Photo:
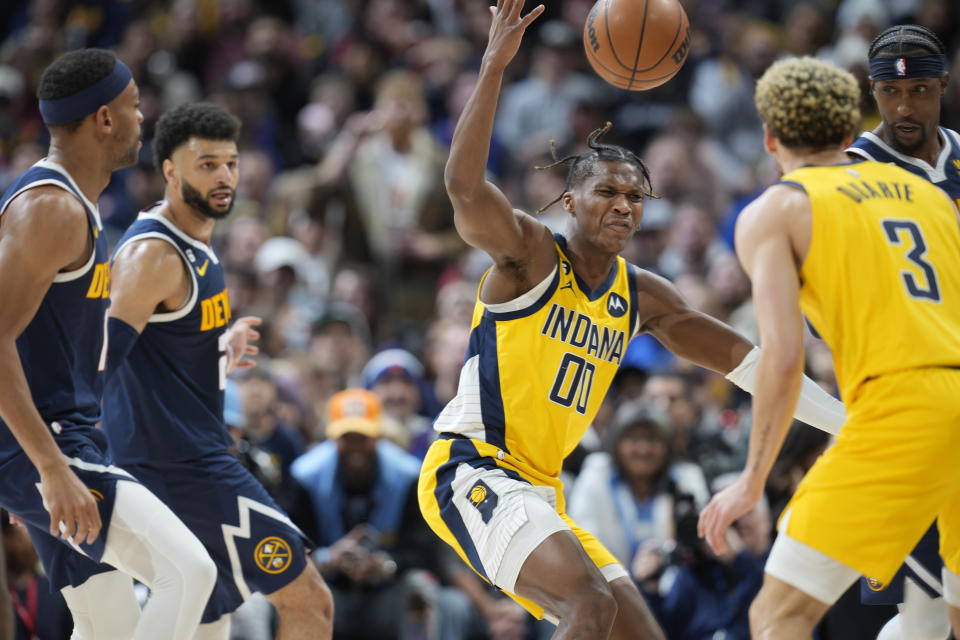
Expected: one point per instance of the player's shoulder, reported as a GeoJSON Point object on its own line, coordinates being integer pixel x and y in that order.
{"type": "Point", "coordinates": [46, 207]}
{"type": "Point", "coordinates": [148, 250]}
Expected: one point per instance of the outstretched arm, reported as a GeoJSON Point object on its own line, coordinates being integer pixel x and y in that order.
{"type": "Point", "coordinates": [43, 231]}
{"type": "Point", "coordinates": [482, 214]}
{"type": "Point", "coordinates": [765, 249]}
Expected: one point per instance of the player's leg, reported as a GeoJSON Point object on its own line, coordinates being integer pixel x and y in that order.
{"type": "Point", "coordinates": [147, 541]}
{"type": "Point", "coordinates": [634, 618]}
{"type": "Point", "coordinates": [560, 577]}
{"type": "Point", "coordinates": [304, 607]}
{"type": "Point", "coordinates": [218, 630]}
{"type": "Point", "coordinates": [104, 607]}
{"type": "Point", "coordinates": [921, 617]}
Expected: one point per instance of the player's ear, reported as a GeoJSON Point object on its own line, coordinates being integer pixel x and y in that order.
{"type": "Point", "coordinates": [769, 141]}
{"type": "Point", "coordinates": [103, 118]}
{"type": "Point", "coordinates": [944, 79]}
{"type": "Point", "coordinates": [169, 171]}
{"type": "Point", "coordinates": [567, 201]}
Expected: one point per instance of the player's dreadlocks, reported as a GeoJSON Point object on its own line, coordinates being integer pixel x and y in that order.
{"type": "Point", "coordinates": [583, 164]}
{"type": "Point", "coordinates": [905, 40]}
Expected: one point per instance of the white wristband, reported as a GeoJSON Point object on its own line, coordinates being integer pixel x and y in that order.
{"type": "Point", "coordinates": [815, 406]}
{"type": "Point", "coordinates": [230, 356]}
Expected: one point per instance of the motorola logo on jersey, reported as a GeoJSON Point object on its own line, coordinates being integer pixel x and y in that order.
{"type": "Point", "coordinates": [273, 555]}
{"type": "Point", "coordinates": [616, 305]}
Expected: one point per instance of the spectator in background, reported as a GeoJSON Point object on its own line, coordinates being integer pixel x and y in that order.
{"type": "Point", "coordinates": [371, 538]}
{"type": "Point", "coordinates": [397, 378]}
{"type": "Point", "coordinates": [39, 612]}
{"type": "Point", "coordinates": [626, 494]}
{"type": "Point", "coordinates": [707, 596]}
{"type": "Point", "coordinates": [265, 430]}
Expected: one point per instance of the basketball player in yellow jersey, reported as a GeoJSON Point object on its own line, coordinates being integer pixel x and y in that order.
{"type": "Point", "coordinates": [871, 254]}
{"type": "Point", "coordinates": [552, 322]}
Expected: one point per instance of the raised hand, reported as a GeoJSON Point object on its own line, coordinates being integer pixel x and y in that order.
{"type": "Point", "coordinates": [507, 30]}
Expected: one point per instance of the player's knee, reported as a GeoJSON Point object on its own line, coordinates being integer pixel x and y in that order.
{"type": "Point", "coordinates": [592, 602]}
{"type": "Point", "coordinates": [197, 570]}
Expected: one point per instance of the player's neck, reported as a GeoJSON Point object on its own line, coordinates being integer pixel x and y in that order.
{"type": "Point", "coordinates": [89, 173]}
{"type": "Point", "coordinates": [189, 220]}
{"type": "Point", "coordinates": [593, 266]}
{"type": "Point", "coordinates": [789, 160]}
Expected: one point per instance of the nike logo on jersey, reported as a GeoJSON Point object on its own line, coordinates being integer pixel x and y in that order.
{"type": "Point", "coordinates": [202, 270]}
{"type": "Point", "coordinates": [579, 330]}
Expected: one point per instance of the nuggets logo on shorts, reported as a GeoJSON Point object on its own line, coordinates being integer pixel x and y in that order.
{"type": "Point", "coordinates": [273, 555]}
{"type": "Point", "coordinates": [96, 494]}
{"type": "Point", "coordinates": [484, 499]}
{"type": "Point", "coordinates": [875, 585]}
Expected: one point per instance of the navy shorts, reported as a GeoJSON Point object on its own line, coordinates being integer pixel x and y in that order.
{"type": "Point", "coordinates": [255, 545]}
{"type": "Point", "coordinates": [923, 566]}
{"type": "Point", "coordinates": [66, 564]}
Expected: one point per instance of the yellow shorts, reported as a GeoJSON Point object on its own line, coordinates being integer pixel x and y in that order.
{"type": "Point", "coordinates": [894, 469]}
{"type": "Point", "coordinates": [494, 514]}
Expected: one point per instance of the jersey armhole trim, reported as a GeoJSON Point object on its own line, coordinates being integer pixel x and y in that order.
{"type": "Point", "coordinates": [191, 301]}
{"type": "Point", "coordinates": [527, 303]}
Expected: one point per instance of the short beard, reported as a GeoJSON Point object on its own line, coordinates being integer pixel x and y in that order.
{"type": "Point", "coordinates": [193, 198]}
{"type": "Point", "coordinates": [912, 149]}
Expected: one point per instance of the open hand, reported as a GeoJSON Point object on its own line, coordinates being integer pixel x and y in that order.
{"type": "Point", "coordinates": [723, 509]}
{"type": "Point", "coordinates": [506, 31]}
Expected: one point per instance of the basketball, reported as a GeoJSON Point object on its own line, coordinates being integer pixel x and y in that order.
{"type": "Point", "coordinates": [636, 44]}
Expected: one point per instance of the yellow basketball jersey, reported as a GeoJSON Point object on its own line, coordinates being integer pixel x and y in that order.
{"type": "Point", "coordinates": [538, 367]}
{"type": "Point", "coordinates": [881, 282]}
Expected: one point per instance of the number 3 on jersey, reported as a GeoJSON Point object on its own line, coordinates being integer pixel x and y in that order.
{"type": "Point", "coordinates": [573, 382]}
{"type": "Point", "coordinates": [916, 254]}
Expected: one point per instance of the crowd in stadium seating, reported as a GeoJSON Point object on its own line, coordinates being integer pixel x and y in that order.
{"type": "Point", "coordinates": [342, 240]}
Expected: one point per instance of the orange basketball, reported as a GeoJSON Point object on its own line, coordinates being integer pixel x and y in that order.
{"type": "Point", "coordinates": [636, 44]}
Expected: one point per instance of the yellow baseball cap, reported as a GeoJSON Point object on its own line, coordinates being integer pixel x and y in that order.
{"type": "Point", "coordinates": [353, 411]}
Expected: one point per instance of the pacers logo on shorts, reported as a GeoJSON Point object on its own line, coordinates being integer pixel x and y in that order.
{"type": "Point", "coordinates": [96, 494]}
{"type": "Point", "coordinates": [273, 555]}
{"type": "Point", "coordinates": [484, 499]}
{"type": "Point", "coordinates": [875, 585]}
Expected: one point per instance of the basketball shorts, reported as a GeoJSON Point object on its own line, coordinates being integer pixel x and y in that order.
{"type": "Point", "coordinates": [66, 563]}
{"type": "Point", "coordinates": [254, 544]}
{"type": "Point", "coordinates": [922, 566]}
{"type": "Point", "coordinates": [894, 469]}
{"type": "Point", "coordinates": [495, 516]}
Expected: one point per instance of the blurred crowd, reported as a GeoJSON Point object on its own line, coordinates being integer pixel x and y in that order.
{"type": "Point", "coordinates": [342, 240]}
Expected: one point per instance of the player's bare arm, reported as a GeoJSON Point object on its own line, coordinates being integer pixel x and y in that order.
{"type": "Point", "coordinates": [688, 333]}
{"type": "Point", "coordinates": [521, 247]}
{"type": "Point", "coordinates": [43, 231]}
{"type": "Point", "coordinates": [766, 249]}
{"type": "Point", "coordinates": [148, 277]}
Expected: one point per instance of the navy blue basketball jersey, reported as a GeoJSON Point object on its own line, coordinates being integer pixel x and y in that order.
{"type": "Point", "coordinates": [164, 402]}
{"type": "Point", "coordinates": [946, 173]}
{"type": "Point", "coordinates": [63, 349]}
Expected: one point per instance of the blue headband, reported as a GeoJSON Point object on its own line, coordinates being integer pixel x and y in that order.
{"type": "Point", "coordinates": [932, 66]}
{"type": "Point", "coordinates": [86, 101]}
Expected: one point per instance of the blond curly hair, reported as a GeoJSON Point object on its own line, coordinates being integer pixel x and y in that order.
{"type": "Point", "coordinates": [808, 104]}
